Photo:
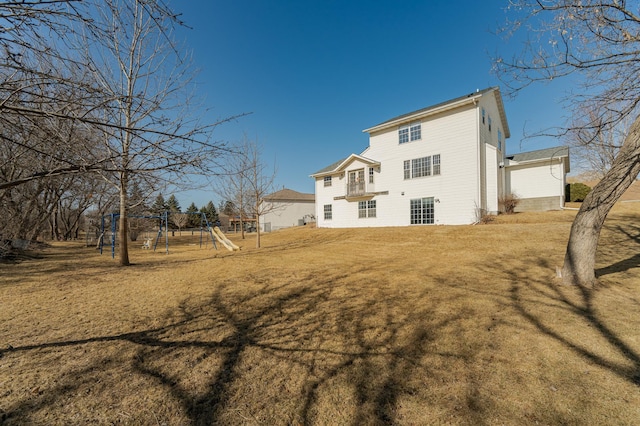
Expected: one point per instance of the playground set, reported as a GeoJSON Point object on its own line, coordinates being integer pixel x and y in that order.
{"type": "Point", "coordinates": [212, 232]}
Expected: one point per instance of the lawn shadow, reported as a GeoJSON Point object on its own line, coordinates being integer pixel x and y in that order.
{"type": "Point", "coordinates": [572, 303]}
{"type": "Point", "coordinates": [309, 337]}
{"type": "Point", "coordinates": [630, 236]}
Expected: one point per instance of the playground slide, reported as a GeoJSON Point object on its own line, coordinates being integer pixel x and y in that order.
{"type": "Point", "coordinates": [223, 239]}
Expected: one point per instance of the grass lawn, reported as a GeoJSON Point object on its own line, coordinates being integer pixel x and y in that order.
{"type": "Point", "coordinates": [412, 326]}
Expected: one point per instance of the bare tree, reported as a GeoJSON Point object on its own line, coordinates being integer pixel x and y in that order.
{"type": "Point", "coordinates": [180, 220]}
{"type": "Point", "coordinates": [148, 127]}
{"type": "Point", "coordinates": [112, 70]}
{"type": "Point", "coordinates": [596, 149]}
{"type": "Point", "coordinates": [260, 182]}
{"type": "Point", "coordinates": [233, 184]}
{"type": "Point", "coordinates": [598, 40]}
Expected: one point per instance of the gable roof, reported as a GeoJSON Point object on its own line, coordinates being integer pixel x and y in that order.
{"type": "Point", "coordinates": [340, 165]}
{"type": "Point", "coordinates": [542, 155]}
{"type": "Point", "coordinates": [289, 195]}
{"type": "Point", "coordinates": [445, 106]}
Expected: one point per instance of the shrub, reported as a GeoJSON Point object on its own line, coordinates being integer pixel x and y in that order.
{"type": "Point", "coordinates": [508, 203]}
{"type": "Point", "coordinates": [576, 192]}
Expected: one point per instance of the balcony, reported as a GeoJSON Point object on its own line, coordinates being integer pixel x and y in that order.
{"type": "Point", "coordinates": [357, 190]}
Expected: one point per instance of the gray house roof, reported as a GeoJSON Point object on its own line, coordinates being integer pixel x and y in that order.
{"type": "Point", "coordinates": [452, 102]}
{"type": "Point", "coordinates": [338, 164]}
{"type": "Point", "coordinates": [290, 195]}
{"type": "Point", "coordinates": [541, 155]}
{"type": "Point", "coordinates": [330, 167]}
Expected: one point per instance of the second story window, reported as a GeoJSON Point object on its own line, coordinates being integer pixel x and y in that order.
{"type": "Point", "coordinates": [419, 167]}
{"type": "Point", "coordinates": [499, 140]}
{"type": "Point", "coordinates": [410, 133]}
{"type": "Point", "coordinates": [416, 131]}
{"type": "Point", "coordinates": [403, 134]}
{"type": "Point", "coordinates": [370, 174]}
{"type": "Point", "coordinates": [327, 181]}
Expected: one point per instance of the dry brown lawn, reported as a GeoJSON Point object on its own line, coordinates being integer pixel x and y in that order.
{"type": "Point", "coordinates": [411, 326]}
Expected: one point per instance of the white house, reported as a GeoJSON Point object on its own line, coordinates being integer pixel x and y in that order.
{"type": "Point", "coordinates": [444, 164]}
{"type": "Point", "coordinates": [286, 208]}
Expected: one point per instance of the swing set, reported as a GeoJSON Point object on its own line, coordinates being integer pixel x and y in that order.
{"type": "Point", "coordinates": [148, 241]}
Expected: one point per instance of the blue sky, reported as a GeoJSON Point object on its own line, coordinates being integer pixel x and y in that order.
{"type": "Point", "coordinates": [314, 74]}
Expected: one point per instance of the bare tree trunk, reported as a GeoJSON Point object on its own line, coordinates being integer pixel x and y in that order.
{"type": "Point", "coordinates": [257, 229]}
{"type": "Point", "coordinates": [122, 230]}
{"type": "Point", "coordinates": [580, 258]}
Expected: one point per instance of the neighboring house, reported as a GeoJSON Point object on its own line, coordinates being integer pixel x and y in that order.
{"type": "Point", "coordinates": [286, 208]}
{"type": "Point", "coordinates": [444, 164]}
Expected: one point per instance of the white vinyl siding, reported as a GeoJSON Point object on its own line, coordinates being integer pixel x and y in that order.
{"type": "Point", "coordinates": [413, 171]}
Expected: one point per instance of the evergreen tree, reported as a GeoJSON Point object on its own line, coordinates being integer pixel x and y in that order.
{"type": "Point", "coordinates": [194, 219]}
{"type": "Point", "coordinates": [211, 212]}
{"type": "Point", "coordinates": [159, 206]}
{"type": "Point", "coordinates": [229, 208]}
{"type": "Point", "coordinates": [173, 205]}
{"type": "Point", "coordinates": [137, 200]}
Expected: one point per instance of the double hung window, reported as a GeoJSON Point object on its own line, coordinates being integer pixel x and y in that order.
{"type": "Point", "coordinates": [366, 209]}
{"type": "Point", "coordinates": [410, 133]}
{"type": "Point", "coordinates": [328, 214]}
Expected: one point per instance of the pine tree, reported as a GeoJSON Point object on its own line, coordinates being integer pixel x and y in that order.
{"type": "Point", "coordinates": [194, 219]}
{"type": "Point", "coordinates": [159, 206]}
{"type": "Point", "coordinates": [211, 212]}
{"type": "Point", "coordinates": [173, 205]}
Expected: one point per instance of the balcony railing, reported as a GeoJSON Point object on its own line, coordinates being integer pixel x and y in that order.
{"type": "Point", "coordinates": [355, 189]}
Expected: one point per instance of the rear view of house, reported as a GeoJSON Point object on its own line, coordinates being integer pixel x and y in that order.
{"type": "Point", "coordinates": [443, 164]}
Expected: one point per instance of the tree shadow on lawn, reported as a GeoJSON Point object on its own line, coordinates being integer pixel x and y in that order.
{"type": "Point", "coordinates": [571, 304]}
{"type": "Point", "coordinates": [330, 347]}
{"type": "Point", "coordinates": [314, 350]}
{"type": "Point", "coordinates": [627, 235]}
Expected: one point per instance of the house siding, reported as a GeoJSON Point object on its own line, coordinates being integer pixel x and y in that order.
{"type": "Point", "coordinates": [286, 214]}
{"type": "Point", "coordinates": [472, 160]}
{"type": "Point", "coordinates": [542, 180]}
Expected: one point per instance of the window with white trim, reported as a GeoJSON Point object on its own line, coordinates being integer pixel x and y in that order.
{"type": "Point", "coordinates": [410, 133]}
{"type": "Point", "coordinates": [403, 134]}
{"type": "Point", "coordinates": [366, 209]}
{"type": "Point", "coordinates": [422, 211]}
{"type": "Point", "coordinates": [483, 115]}
{"type": "Point", "coordinates": [499, 140]}
{"type": "Point", "coordinates": [419, 167]}
{"type": "Point", "coordinates": [489, 121]}
{"type": "Point", "coordinates": [370, 174]}
{"type": "Point", "coordinates": [327, 181]}
{"type": "Point", "coordinates": [328, 213]}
